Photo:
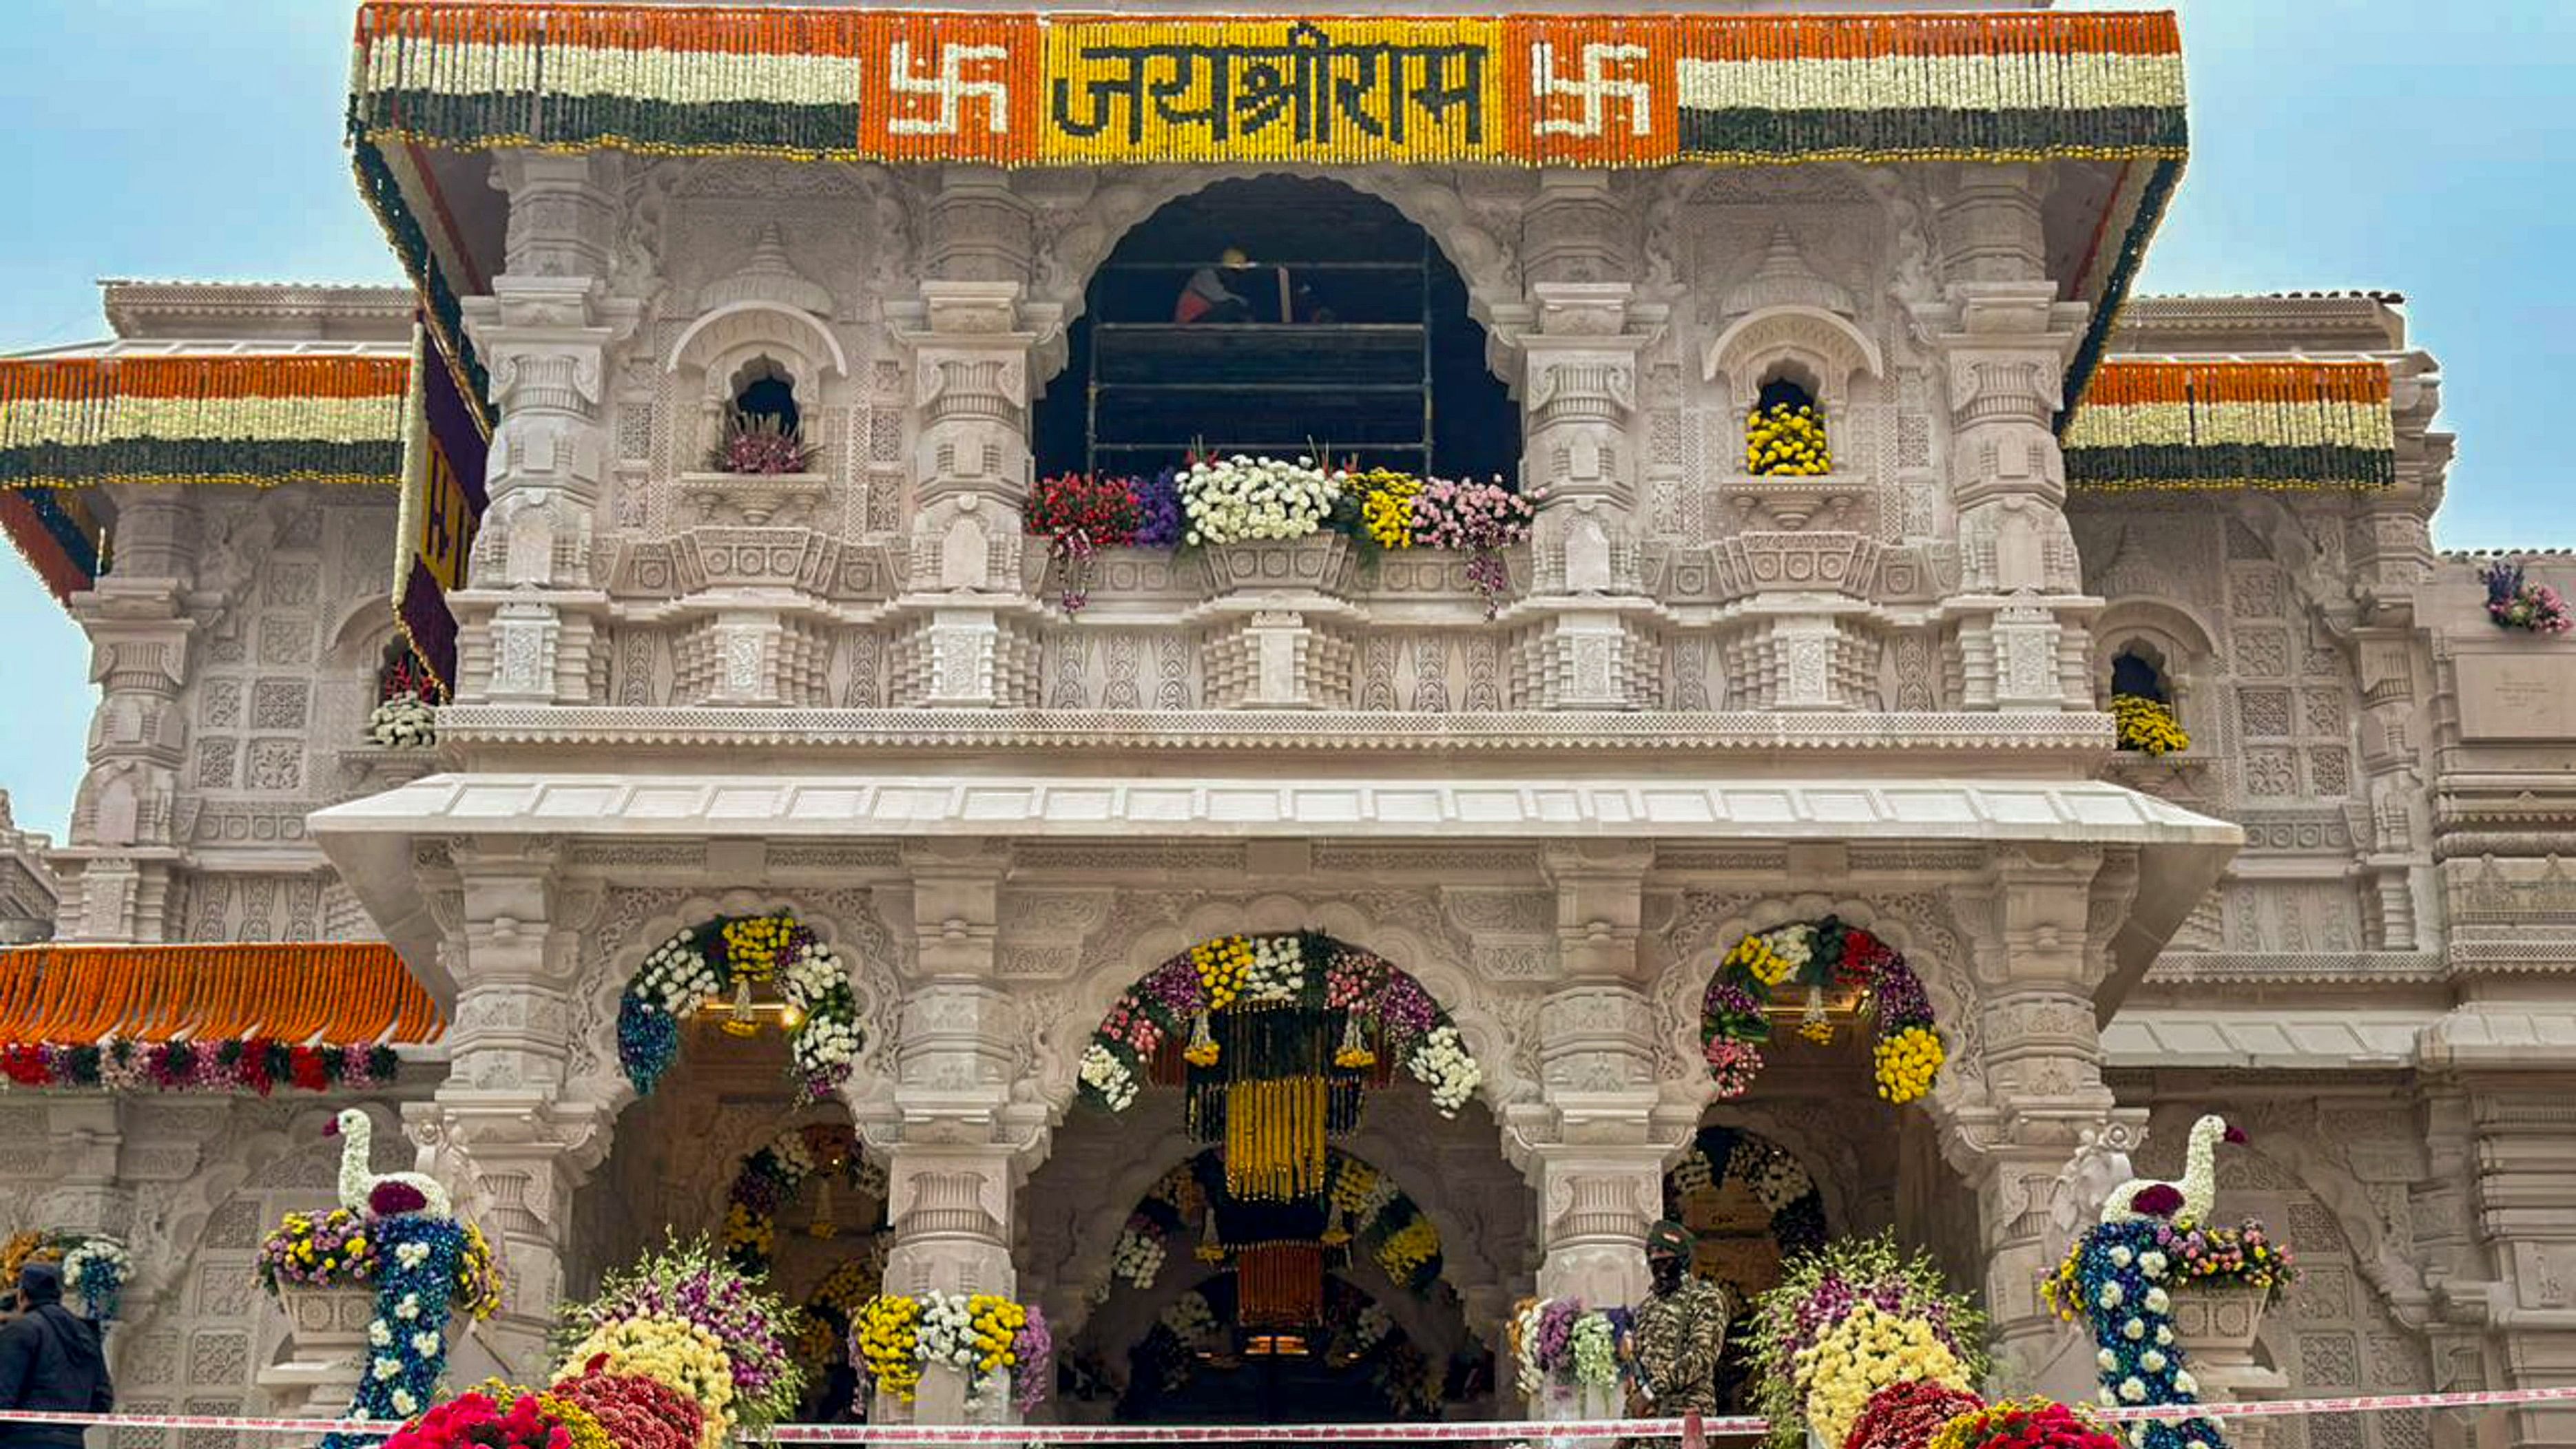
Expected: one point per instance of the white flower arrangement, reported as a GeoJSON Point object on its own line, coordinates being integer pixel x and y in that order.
{"type": "Point", "coordinates": [1278, 969]}
{"type": "Point", "coordinates": [1138, 1258]}
{"type": "Point", "coordinates": [1189, 1317]}
{"type": "Point", "coordinates": [1776, 1178]}
{"type": "Point", "coordinates": [1240, 499]}
{"type": "Point", "coordinates": [1442, 1063]}
{"type": "Point", "coordinates": [1596, 1351]}
{"type": "Point", "coordinates": [1369, 1327]}
{"type": "Point", "coordinates": [94, 1273]}
{"type": "Point", "coordinates": [1102, 1072]}
{"type": "Point", "coordinates": [817, 985]}
{"type": "Point", "coordinates": [795, 1159]}
{"type": "Point", "coordinates": [677, 978]}
{"type": "Point", "coordinates": [1794, 944]}
{"type": "Point", "coordinates": [403, 722]}
{"type": "Point", "coordinates": [1529, 1376]}
{"type": "Point", "coordinates": [824, 1046]}
{"type": "Point", "coordinates": [947, 1332]}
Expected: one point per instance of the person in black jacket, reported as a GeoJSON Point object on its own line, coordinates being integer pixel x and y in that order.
{"type": "Point", "coordinates": [49, 1360]}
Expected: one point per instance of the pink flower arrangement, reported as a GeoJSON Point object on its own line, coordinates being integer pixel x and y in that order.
{"type": "Point", "coordinates": [1733, 1065]}
{"type": "Point", "coordinates": [2516, 602]}
{"type": "Point", "coordinates": [1479, 519]}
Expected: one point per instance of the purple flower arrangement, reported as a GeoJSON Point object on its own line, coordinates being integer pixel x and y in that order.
{"type": "Point", "coordinates": [1034, 1350]}
{"type": "Point", "coordinates": [2517, 602]}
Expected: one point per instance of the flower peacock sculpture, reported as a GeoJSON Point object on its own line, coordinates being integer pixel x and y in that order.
{"type": "Point", "coordinates": [2142, 1199]}
{"type": "Point", "coordinates": [375, 1195]}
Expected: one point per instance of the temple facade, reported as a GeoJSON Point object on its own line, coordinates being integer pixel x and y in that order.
{"type": "Point", "coordinates": [1001, 768]}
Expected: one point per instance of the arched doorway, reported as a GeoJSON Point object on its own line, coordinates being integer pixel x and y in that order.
{"type": "Point", "coordinates": [808, 1210]}
{"type": "Point", "coordinates": [1277, 315]}
{"type": "Point", "coordinates": [1753, 1205]}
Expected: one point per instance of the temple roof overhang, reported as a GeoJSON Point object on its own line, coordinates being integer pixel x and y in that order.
{"type": "Point", "coordinates": [373, 841]}
{"type": "Point", "coordinates": [2098, 99]}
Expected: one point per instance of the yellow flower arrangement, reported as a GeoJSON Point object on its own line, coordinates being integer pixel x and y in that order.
{"type": "Point", "coordinates": [1353, 1184]}
{"type": "Point", "coordinates": [1386, 506]}
{"type": "Point", "coordinates": [1755, 956]}
{"type": "Point", "coordinates": [994, 1323]}
{"type": "Point", "coordinates": [671, 1351]}
{"type": "Point", "coordinates": [1222, 964]}
{"type": "Point", "coordinates": [1408, 1248]}
{"type": "Point", "coordinates": [744, 1229]}
{"type": "Point", "coordinates": [2147, 725]}
{"type": "Point", "coordinates": [1864, 1353]}
{"type": "Point", "coordinates": [888, 1328]}
{"type": "Point", "coordinates": [753, 945]}
{"type": "Point", "coordinates": [1908, 1062]}
{"type": "Point", "coordinates": [580, 1426]}
{"type": "Point", "coordinates": [1786, 441]}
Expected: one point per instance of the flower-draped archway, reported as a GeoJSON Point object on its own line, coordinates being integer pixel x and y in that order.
{"type": "Point", "coordinates": [823, 1161]}
{"type": "Point", "coordinates": [1823, 966]}
{"type": "Point", "coordinates": [1281, 1252]}
{"type": "Point", "coordinates": [770, 966]}
{"type": "Point", "coordinates": [1277, 1039]}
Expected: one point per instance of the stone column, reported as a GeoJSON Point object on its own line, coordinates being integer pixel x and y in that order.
{"type": "Point", "coordinates": [975, 339]}
{"type": "Point", "coordinates": [962, 1132]}
{"type": "Point", "coordinates": [1578, 340]}
{"type": "Point", "coordinates": [500, 1131]}
{"type": "Point", "coordinates": [118, 864]}
{"type": "Point", "coordinates": [1595, 1144]}
{"type": "Point", "coordinates": [2037, 970]}
{"type": "Point", "coordinates": [527, 627]}
{"type": "Point", "coordinates": [2007, 341]}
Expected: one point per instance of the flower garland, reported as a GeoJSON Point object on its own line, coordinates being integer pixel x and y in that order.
{"type": "Point", "coordinates": [1849, 1320]}
{"type": "Point", "coordinates": [1823, 956]}
{"type": "Point", "coordinates": [403, 722]}
{"type": "Point", "coordinates": [251, 1064]}
{"type": "Point", "coordinates": [337, 1249]}
{"type": "Point", "coordinates": [771, 1178]}
{"type": "Point", "coordinates": [1786, 439]}
{"type": "Point", "coordinates": [2158, 425]}
{"type": "Point", "coordinates": [2115, 1277]}
{"type": "Point", "coordinates": [989, 1340]}
{"type": "Point", "coordinates": [730, 953]}
{"type": "Point", "coordinates": [95, 1273]}
{"type": "Point", "coordinates": [2024, 1424]}
{"type": "Point", "coordinates": [2147, 726]}
{"type": "Point", "coordinates": [1310, 973]}
{"type": "Point", "coordinates": [688, 1284]}
{"type": "Point", "coordinates": [2517, 602]}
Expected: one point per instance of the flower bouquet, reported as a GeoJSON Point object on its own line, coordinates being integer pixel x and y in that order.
{"type": "Point", "coordinates": [496, 1416]}
{"type": "Point", "coordinates": [403, 722]}
{"type": "Point", "coordinates": [2147, 726]}
{"type": "Point", "coordinates": [335, 1250]}
{"type": "Point", "coordinates": [1906, 1415]}
{"type": "Point", "coordinates": [2517, 602]}
{"type": "Point", "coordinates": [94, 1274]}
{"type": "Point", "coordinates": [1563, 1351]}
{"type": "Point", "coordinates": [662, 1317]}
{"type": "Point", "coordinates": [2025, 1424]}
{"type": "Point", "coordinates": [1847, 1322]}
{"type": "Point", "coordinates": [1242, 499]}
{"type": "Point", "coordinates": [637, 1412]}
{"type": "Point", "coordinates": [1079, 515]}
{"type": "Point", "coordinates": [759, 445]}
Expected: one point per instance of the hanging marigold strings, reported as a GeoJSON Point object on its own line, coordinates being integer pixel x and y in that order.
{"type": "Point", "coordinates": [1279, 1285]}
{"type": "Point", "coordinates": [1274, 1139]}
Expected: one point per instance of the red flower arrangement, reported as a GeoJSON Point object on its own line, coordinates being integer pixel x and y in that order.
{"type": "Point", "coordinates": [1906, 1415]}
{"type": "Point", "coordinates": [1079, 515]}
{"type": "Point", "coordinates": [478, 1421]}
{"type": "Point", "coordinates": [637, 1412]}
{"type": "Point", "coordinates": [2025, 1424]}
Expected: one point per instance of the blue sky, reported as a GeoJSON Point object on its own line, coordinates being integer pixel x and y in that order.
{"type": "Point", "coordinates": [2359, 143]}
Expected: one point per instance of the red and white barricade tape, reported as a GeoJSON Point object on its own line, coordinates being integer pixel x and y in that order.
{"type": "Point", "coordinates": [1035, 1435]}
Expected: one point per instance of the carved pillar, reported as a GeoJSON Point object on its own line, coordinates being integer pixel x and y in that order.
{"type": "Point", "coordinates": [500, 1130]}
{"type": "Point", "coordinates": [1578, 339]}
{"type": "Point", "coordinates": [2007, 341]}
{"type": "Point", "coordinates": [963, 1130]}
{"type": "Point", "coordinates": [975, 340]}
{"type": "Point", "coordinates": [2038, 959]}
{"type": "Point", "coordinates": [1595, 1144]}
{"type": "Point", "coordinates": [123, 850]}
{"type": "Point", "coordinates": [527, 631]}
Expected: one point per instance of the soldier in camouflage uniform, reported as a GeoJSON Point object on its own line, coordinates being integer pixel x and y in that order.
{"type": "Point", "coordinates": [1681, 1328]}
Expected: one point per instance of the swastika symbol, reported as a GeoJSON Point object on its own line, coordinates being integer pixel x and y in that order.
{"type": "Point", "coordinates": [1598, 86]}
{"type": "Point", "coordinates": [952, 88]}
